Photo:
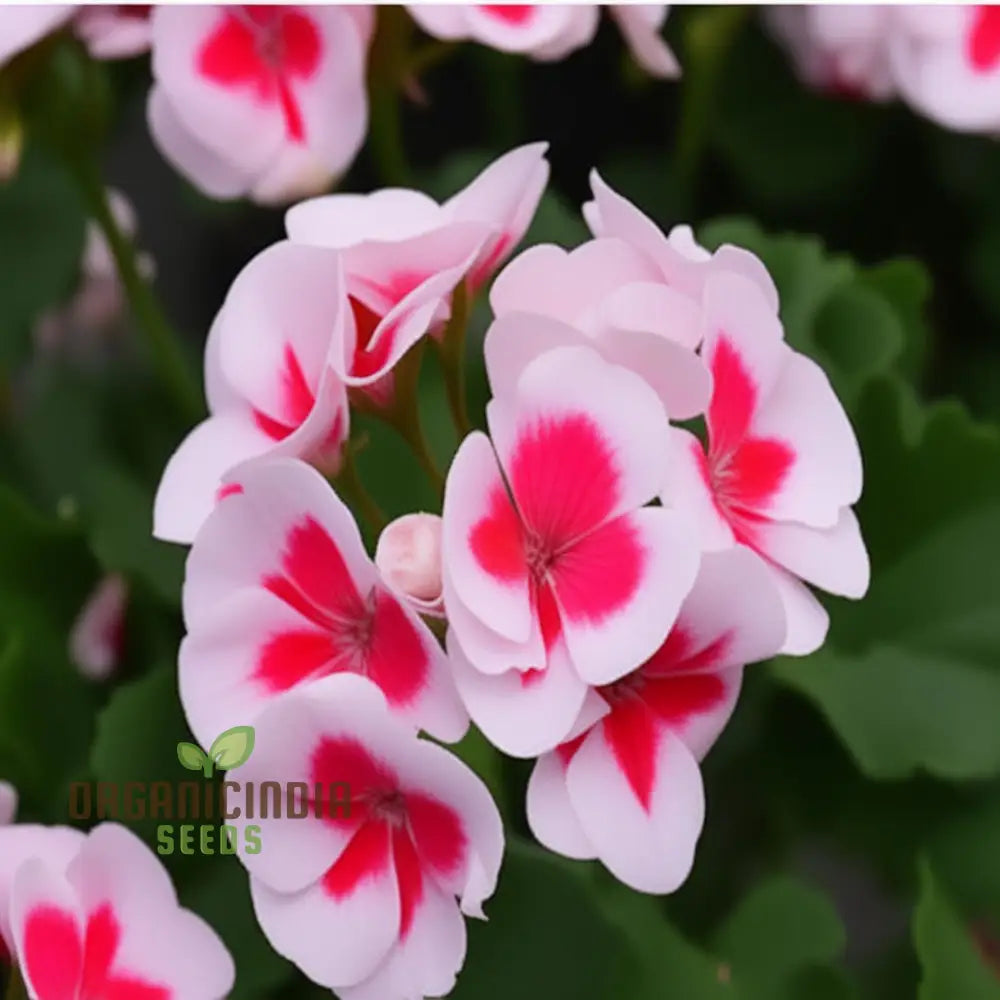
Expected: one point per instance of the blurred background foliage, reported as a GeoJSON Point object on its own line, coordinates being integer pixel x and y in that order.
{"type": "Point", "coordinates": [852, 845]}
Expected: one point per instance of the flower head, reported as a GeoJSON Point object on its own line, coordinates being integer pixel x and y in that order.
{"type": "Point", "coordinates": [362, 897]}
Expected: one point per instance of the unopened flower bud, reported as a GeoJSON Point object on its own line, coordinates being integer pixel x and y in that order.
{"type": "Point", "coordinates": [95, 641]}
{"type": "Point", "coordinates": [408, 556]}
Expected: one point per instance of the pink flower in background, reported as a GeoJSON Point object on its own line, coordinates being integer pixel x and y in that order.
{"type": "Point", "coordinates": [408, 556]}
{"type": "Point", "coordinates": [8, 803]}
{"type": "Point", "coordinates": [549, 32]}
{"type": "Point", "coordinates": [268, 102]}
{"type": "Point", "coordinates": [404, 254]}
{"type": "Point", "coordinates": [946, 62]}
{"type": "Point", "coordinates": [22, 25]}
{"type": "Point", "coordinates": [627, 788]}
{"type": "Point", "coordinates": [555, 575]}
{"type": "Point", "coordinates": [108, 925]}
{"type": "Point", "coordinates": [609, 295]}
{"type": "Point", "coordinates": [269, 379]}
{"type": "Point", "coordinates": [782, 467]}
{"type": "Point", "coordinates": [55, 846]}
{"type": "Point", "coordinates": [370, 903]}
{"type": "Point", "coordinates": [279, 591]}
{"type": "Point", "coordinates": [97, 637]}
{"type": "Point", "coordinates": [98, 308]}
{"type": "Point", "coordinates": [837, 48]}
{"type": "Point", "coordinates": [115, 31]}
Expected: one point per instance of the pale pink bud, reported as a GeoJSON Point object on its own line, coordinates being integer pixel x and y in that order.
{"type": "Point", "coordinates": [95, 641]}
{"type": "Point", "coordinates": [408, 556]}
{"type": "Point", "coordinates": [8, 803]}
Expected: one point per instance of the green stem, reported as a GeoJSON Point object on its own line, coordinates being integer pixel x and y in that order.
{"type": "Point", "coordinates": [349, 485]}
{"type": "Point", "coordinates": [709, 37]}
{"type": "Point", "coordinates": [451, 353]}
{"type": "Point", "coordinates": [168, 357]}
{"type": "Point", "coordinates": [503, 80]}
{"type": "Point", "coordinates": [388, 62]}
{"type": "Point", "coordinates": [16, 989]}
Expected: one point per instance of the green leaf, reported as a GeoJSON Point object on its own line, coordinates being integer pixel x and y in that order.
{"type": "Point", "coordinates": [546, 937]}
{"type": "Point", "coordinates": [910, 677]}
{"type": "Point", "coordinates": [953, 969]}
{"type": "Point", "coordinates": [780, 929]}
{"type": "Point", "coordinates": [192, 757]}
{"type": "Point", "coordinates": [232, 748]}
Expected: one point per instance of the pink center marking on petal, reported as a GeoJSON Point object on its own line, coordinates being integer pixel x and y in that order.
{"type": "Point", "coordinates": [497, 541]}
{"type": "Point", "coordinates": [409, 878]}
{"type": "Point", "coordinates": [565, 752]}
{"type": "Point", "coordinates": [366, 857]}
{"type": "Point", "coordinates": [371, 636]}
{"type": "Point", "coordinates": [983, 41]}
{"type": "Point", "coordinates": [265, 49]}
{"type": "Point", "coordinates": [515, 14]}
{"type": "Point", "coordinates": [228, 490]}
{"type": "Point", "coordinates": [734, 398]}
{"type": "Point", "coordinates": [99, 982]}
{"type": "Point", "coordinates": [677, 700]}
{"type": "Point", "coordinates": [297, 400]}
{"type": "Point", "coordinates": [632, 733]}
{"type": "Point", "coordinates": [437, 832]}
{"type": "Point", "coordinates": [600, 573]}
{"type": "Point", "coordinates": [343, 759]}
{"type": "Point", "coordinates": [677, 654]}
{"type": "Point", "coordinates": [52, 953]}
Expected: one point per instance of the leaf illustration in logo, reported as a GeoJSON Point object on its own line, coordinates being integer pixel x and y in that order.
{"type": "Point", "coordinates": [192, 757]}
{"type": "Point", "coordinates": [233, 747]}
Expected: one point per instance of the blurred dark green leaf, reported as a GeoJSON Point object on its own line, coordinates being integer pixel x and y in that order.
{"type": "Point", "coordinates": [910, 678]}
{"type": "Point", "coordinates": [953, 967]}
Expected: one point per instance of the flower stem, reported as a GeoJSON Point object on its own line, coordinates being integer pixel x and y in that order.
{"type": "Point", "coordinates": [168, 357]}
{"type": "Point", "coordinates": [388, 62]}
{"type": "Point", "coordinates": [709, 37]}
{"type": "Point", "coordinates": [16, 989]}
{"type": "Point", "coordinates": [349, 485]}
{"type": "Point", "coordinates": [451, 353]}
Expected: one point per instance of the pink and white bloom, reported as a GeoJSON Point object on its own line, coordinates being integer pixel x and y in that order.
{"type": "Point", "coordinates": [408, 555]}
{"type": "Point", "coordinates": [97, 637]}
{"type": "Point", "coordinates": [266, 102]}
{"type": "Point", "coordinates": [108, 924]}
{"type": "Point", "coordinates": [946, 62]}
{"type": "Point", "coordinates": [552, 564]}
{"type": "Point", "coordinates": [279, 591]}
{"type": "Point", "coordinates": [115, 30]}
{"type": "Point", "coordinates": [55, 846]}
{"type": "Point", "coordinates": [549, 32]}
{"type": "Point", "coordinates": [22, 25]}
{"type": "Point", "coordinates": [269, 379]}
{"type": "Point", "coordinates": [98, 306]}
{"type": "Point", "coordinates": [610, 295]}
{"type": "Point", "coordinates": [370, 903]}
{"type": "Point", "coordinates": [838, 48]}
{"type": "Point", "coordinates": [8, 803]}
{"type": "Point", "coordinates": [404, 254]}
{"type": "Point", "coordinates": [782, 467]}
{"type": "Point", "coordinates": [627, 789]}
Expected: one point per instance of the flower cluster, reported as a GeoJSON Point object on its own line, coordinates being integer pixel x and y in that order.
{"type": "Point", "coordinates": [271, 102]}
{"type": "Point", "coordinates": [603, 574]}
{"type": "Point", "coordinates": [944, 61]}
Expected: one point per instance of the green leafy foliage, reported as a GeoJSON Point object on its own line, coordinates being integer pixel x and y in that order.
{"type": "Point", "coordinates": [952, 965]}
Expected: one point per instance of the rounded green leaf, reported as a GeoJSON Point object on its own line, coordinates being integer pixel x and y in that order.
{"type": "Point", "coordinates": [190, 756]}
{"type": "Point", "coordinates": [233, 747]}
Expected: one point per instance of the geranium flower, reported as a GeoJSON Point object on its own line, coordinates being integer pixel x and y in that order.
{"type": "Point", "coordinates": [108, 925]}
{"type": "Point", "coordinates": [263, 101]}
{"type": "Point", "coordinates": [363, 899]}
{"type": "Point", "coordinates": [627, 788]}
{"type": "Point", "coordinates": [270, 385]}
{"type": "Point", "coordinates": [549, 32]}
{"type": "Point", "coordinates": [279, 591]}
{"type": "Point", "coordinates": [404, 254]}
{"type": "Point", "coordinates": [551, 562]}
